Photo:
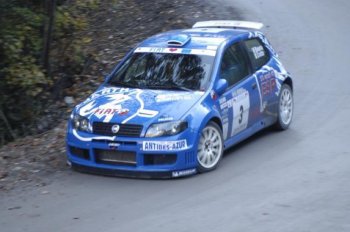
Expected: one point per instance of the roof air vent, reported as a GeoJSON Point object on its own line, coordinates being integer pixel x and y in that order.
{"type": "Point", "coordinates": [178, 40]}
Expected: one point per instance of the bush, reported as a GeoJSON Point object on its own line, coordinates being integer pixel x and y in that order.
{"type": "Point", "coordinates": [26, 86]}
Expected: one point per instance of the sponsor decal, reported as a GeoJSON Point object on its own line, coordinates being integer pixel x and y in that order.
{"type": "Point", "coordinates": [224, 106]}
{"type": "Point", "coordinates": [184, 172]}
{"type": "Point", "coordinates": [223, 103]}
{"type": "Point", "coordinates": [205, 52]}
{"type": "Point", "coordinates": [172, 97]}
{"type": "Point", "coordinates": [240, 105]}
{"type": "Point", "coordinates": [164, 145]}
{"type": "Point", "coordinates": [258, 51]}
{"type": "Point", "coordinates": [225, 127]}
{"type": "Point", "coordinates": [256, 34]}
{"type": "Point", "coordinates": [210, 41]}
{"type": "Point", "coordinates": [147, 113]}
{"type": "Point", "coordinates": [207, 30]}
{"type": "Point", "coordinates": [123, 111]}
{"type": "Point", "coordinates": [213, 95]}
{"type": "Point", "coordinates": [113, 145]}
{"type": "Point", "coordinates": [264, 105]}
{"type": "Point", "coordinates": [268, 78]}
{"type": "Point", "coordinates": [111, 99]}
{"type": "Point", "coordinates": [106, 111]}
{"type": "Point", "coordinates": [211, 47]}
{"type": "Point", "coordinates": [165, 118]}
{"type": "Point", "coordinates": [268, 83]}
{"type": "Point", "coordinates": [120, 94]}
{"type": "Point", "coordinates": [224, 115]}
{"type": "Point", "coordinates": [186, 51]}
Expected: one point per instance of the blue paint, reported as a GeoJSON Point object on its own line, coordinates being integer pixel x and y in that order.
{"type": "Point", "coordinates": [144, 107]}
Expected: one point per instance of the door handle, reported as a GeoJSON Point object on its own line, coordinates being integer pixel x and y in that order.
{"type": "Point", "coordinates": [254, 85]}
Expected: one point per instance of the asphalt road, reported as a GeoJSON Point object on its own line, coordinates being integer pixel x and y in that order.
{"type": "Point", "coordinates": [297, 180]}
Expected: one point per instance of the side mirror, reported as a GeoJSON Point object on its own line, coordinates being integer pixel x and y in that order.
{"type": "Point", "coordinates": [221, 86]}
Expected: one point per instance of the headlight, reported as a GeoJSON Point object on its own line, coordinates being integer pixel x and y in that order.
{"type": "Point", "coordinates": [80, 123]}
{"type": "Point", "coordinates": [166, 128]}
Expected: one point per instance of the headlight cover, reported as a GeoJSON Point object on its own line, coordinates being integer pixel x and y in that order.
{"type": "Point", "coordinates": [80, 123]}
{"type": "Point", "coordinates": [166, 129]}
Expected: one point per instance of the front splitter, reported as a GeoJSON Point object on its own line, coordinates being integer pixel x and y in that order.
{"type": "Point", "coordinates": [132, 174]}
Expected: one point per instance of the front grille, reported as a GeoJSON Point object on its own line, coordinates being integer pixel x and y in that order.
{"type": "Point", "coordinates": [121, 143]}
{"type": "Point", "coordinates": [128, 130]}
{"type": "Point", "coordinates": [115, 157]}
{"type": "Point", "coordinates": [79, 152]}
{"type": "Point", "coordinates": [155, 159]}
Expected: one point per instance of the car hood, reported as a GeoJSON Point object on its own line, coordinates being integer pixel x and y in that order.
{"type": "Point", "coordinates": [137, 106]}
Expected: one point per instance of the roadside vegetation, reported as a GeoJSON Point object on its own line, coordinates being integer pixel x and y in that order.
{"type": "Point", "coordinates": [42, 48]}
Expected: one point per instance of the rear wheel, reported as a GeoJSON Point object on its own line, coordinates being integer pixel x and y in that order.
{"type": "Point", "coordinates": [285, 108]}
{"type": "Point", "coordinates": [210, 148]}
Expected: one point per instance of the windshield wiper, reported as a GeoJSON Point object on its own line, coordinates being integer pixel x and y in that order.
{"type": "Point", "coordinates": [175, 86]}
{"type": "Point", "coordinates": [169, 86]}
{"type": "Point", "coordinates": [123, 84]}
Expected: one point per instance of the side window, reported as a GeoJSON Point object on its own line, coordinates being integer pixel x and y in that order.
{"type": "Point", "coordinates": [258, 54]}
{"type": "Point", "coordinates": [234, 65]}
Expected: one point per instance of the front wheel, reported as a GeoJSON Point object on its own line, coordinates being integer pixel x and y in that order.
{"type": "Point", "coordinates": [285, 108]}
{"type": "Point", "coordinates": [210, 147]}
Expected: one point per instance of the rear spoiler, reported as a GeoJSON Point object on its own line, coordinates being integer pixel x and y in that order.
{"type": "Point", "coordinates": [228, 24]}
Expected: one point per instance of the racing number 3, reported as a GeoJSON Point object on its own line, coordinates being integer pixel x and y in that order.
{"type": "Point", "coordinates": [241, 107]}
{"type": "Point", "coordinates": [240, 115]}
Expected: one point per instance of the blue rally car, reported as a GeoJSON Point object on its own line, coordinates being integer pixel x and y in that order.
{"type": "Point", "coordinates": [178, 100]}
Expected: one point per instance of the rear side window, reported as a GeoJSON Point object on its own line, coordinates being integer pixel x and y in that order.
{"type": "Point", "coordinates": [258, 54]}
{"type": "Point", "coordinates": [234, 65]}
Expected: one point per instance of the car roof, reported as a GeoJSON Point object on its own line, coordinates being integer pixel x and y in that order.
{"type": "Point", "coordinates": [200, 38]}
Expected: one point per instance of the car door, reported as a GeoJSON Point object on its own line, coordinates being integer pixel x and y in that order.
{"type": "Point", "coordinates": [259, 57]}
{"type": "Point", "coordinates": [239, 105]}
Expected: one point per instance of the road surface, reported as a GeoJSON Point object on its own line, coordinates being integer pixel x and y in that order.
{"type": "Point", "coordinates": [296, 181]}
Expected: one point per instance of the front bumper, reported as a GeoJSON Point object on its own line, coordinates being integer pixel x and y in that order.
{"type": "Point", "coordinates": [125, 173]}
{"type": "Point", "coordinates": [155, 161]}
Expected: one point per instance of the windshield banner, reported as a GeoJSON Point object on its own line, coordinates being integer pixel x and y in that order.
{"type": "Point", "coordinates": [204, 52]}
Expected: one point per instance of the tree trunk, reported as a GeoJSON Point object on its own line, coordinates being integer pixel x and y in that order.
{"type": "Point", "coordinates": [7, 124]}
{"type": "Point", "coordinates": [50, 6]}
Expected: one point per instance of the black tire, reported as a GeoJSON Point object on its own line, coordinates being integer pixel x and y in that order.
{"type": "Point", "coordinates": [285, 109]}
{"type": "Point", "coordinates": [210, 148]}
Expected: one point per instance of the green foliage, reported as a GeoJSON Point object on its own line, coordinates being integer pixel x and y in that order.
{"type": "Point", "coordinates": [20, 44]}
{"type": "Point", "coordinates": [24, 84]}
{"type": "Point", "coordinates": [26, 75]}
{"type": "Point", "coordinates": [70, 21]}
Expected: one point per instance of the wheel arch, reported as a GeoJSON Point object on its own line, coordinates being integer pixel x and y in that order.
{"type": "Point", "coordinates": [216, 120]}
{"type": "Point", "coordinates": [200, 118]}
{"type": "Point", "coordinates": [289, 82]}
{"type": "Point", "coordinates": [211, 117]}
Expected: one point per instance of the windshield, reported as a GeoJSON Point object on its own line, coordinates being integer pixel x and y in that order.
{"type": "Point", "coordinates": [164, 71]}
